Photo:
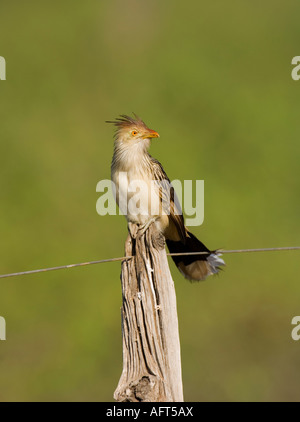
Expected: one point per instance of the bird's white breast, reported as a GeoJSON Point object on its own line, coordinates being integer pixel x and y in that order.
{"type": "Point", "coordinates": [136, 195]}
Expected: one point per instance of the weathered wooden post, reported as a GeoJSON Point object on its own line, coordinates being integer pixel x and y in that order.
{"type": "Point", "coordinates": [151, 347]}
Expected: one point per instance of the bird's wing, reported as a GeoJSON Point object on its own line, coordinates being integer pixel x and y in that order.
{"type": "Point", "coordinates": [167, 194]}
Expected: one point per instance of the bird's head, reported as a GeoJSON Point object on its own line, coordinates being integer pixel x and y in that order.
{"type": "Point", "coordinates": [131, 131]}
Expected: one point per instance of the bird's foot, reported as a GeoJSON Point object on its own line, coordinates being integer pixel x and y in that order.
{"type": "Point", "coordinates": [144, 227]}
{"type": "Point", "coordinates": [133, 230]}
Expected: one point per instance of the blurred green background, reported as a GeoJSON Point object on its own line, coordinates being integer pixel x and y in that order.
{"type": "Point", "coordinates": [214, 79]}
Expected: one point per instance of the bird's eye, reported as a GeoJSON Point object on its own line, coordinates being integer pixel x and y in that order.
{"type": "Point", "coordinates": [134, 132]}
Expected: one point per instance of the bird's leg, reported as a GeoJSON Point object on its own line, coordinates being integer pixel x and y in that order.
{"type": "Point", "coordinates": [144, 227]}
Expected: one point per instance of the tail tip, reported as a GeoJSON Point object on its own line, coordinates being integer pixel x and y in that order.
{"type": "Point", "coordinates": [215, 262]}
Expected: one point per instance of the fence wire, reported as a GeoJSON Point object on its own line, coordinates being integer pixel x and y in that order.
{"type": "Point", "coordinates": [123, 258]}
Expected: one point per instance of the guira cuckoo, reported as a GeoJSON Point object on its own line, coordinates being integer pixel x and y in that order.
{"type": "Point", "coordinates": [132, 162]}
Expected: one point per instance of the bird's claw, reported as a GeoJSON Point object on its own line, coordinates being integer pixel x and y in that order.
{"type": "Point", "coordinates": [144, 227]}
{"type": "Point", "coordinates": [133, 230]}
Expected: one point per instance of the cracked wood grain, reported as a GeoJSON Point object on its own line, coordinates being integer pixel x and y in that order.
{"type": "Point", "coordinates": [151, 347]}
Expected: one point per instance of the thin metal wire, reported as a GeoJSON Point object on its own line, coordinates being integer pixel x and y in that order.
{"type": "Point", "coordinates": [63, 267]}
{"type": "Point", "coordinates": [123, 258]}
{"type": "Point", "coordinates": [224, 251]}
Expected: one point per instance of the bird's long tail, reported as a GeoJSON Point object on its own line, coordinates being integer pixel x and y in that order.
{"type": "Point", "coordinates": [195, 267]}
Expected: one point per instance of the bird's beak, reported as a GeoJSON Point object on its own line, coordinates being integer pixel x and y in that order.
{"type": "Point", "coordinates": [150, 134]}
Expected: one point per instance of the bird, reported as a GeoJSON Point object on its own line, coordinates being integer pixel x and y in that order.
{"type": "Point", "coordinates": [132, 162]}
